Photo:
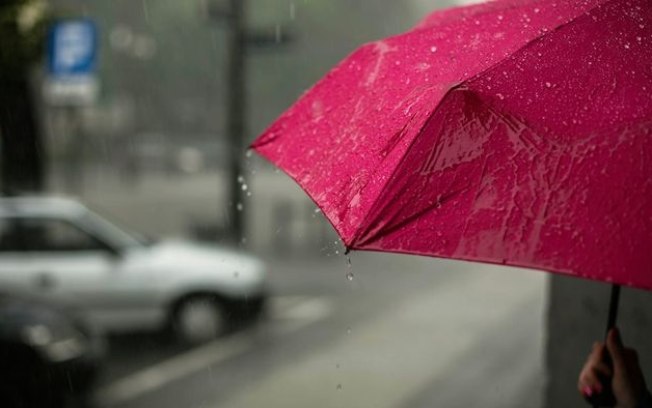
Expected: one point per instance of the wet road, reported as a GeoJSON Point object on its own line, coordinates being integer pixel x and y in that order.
{"type": "Point", "coordinates": [405, 332]}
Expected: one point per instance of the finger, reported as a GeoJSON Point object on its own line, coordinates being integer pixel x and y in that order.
{"type": "Point", "coordinates": [602, 368]}
{"type": "Point", "coordinates": [589, 383]}
{"type": "Point", "coordinates": [616, 349]}
{"type": "Point", "coordinates": [597, 353]}
{"type": "Point", "coordinates": [631, 356]}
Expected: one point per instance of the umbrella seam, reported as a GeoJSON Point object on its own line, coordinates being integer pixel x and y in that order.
{"type": "Point", "coordinates": [532, 41]}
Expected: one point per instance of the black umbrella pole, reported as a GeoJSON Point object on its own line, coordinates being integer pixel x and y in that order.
{"type": "Point", "coordinates": [613, 307]}
{"type": "Point", "coordinates": [607, 398]}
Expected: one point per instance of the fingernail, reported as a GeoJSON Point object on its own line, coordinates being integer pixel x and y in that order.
{"type": "Point", "coordinates": [587, 391]}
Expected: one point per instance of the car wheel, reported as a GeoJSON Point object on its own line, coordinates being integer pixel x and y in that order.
{"type": "Point", "coordinates": [198, 319]}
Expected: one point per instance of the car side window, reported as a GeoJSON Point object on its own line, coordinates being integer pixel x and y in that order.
{"type": "Point", "coordinates": [45, 235]}
{"type": "Point", "coordinates": [11, 238]}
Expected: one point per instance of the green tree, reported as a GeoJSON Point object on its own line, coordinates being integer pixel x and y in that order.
{"type": "Point", "coordinates": [22, 28]}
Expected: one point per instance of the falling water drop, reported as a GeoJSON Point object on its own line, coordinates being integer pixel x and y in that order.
{"type": "Point", "coordinates": [293, 11]}
{"type": "Point", "coordinates": [350, 276]}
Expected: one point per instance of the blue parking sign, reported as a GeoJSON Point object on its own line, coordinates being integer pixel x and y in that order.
{"type": "Point", "coordinates": [72, 48]}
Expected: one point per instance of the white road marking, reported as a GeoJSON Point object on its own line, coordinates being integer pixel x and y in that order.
{"type": "Point", "coordinates": [295, 312]}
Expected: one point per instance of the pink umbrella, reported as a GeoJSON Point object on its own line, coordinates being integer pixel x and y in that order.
{"type": "Point", "coordinates": [512, 132]}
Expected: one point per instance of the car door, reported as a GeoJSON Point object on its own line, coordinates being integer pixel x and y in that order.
{"type": "Point", "coordinates": [53, 258]}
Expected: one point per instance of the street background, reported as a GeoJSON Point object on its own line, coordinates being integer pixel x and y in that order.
{"type": "Point", "coordinates": [155, 152]}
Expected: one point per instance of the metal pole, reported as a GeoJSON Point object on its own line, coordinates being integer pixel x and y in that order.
{"type": "Point", "coordinates": [236, 115]}
{"type": "Point", "coordinates": [607, 398]}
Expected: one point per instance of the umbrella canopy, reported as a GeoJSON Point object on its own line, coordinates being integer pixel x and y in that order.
{"type": "Point", "coordinates": [514, 132]}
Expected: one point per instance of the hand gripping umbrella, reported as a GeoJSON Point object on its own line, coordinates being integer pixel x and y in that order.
{"type": "Point", "coordinates": [515, 132]}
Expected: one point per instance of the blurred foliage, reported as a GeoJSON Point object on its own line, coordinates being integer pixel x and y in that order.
{"type": "Point", "coordinates": [23, 25]}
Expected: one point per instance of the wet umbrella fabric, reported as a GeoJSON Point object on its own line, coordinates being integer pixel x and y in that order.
{"type": "Point", "coordinates": [513, 132]}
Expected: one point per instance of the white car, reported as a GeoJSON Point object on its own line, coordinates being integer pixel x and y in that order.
{"type": "Point", "coordinates": [59, 249]}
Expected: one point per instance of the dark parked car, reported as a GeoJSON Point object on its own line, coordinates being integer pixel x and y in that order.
{"type": "Point", "coordinates": [48, 358]}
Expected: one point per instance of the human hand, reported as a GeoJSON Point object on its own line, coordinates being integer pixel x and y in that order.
{"type": "Point", "coordinates": [622, 374]}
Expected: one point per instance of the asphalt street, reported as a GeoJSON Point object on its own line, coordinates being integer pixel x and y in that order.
{"type": "Point", "coordinates": [404, 332]}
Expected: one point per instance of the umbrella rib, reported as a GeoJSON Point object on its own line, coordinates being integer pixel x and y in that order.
{"type": "Point", "coordinates": [364, 229]}
{"type": "Point", "coordinates": [532, 41]}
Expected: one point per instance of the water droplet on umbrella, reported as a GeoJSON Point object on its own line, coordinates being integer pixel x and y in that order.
{"type": "Point", "coordinates": [500, 96]}
{"type": "Point", "coordinates": [627, 46]}
{"type": "Point", "coordinates": [536, 10]}
{"type": "Point", "coordinates": [548, 85]}
{"type": "Point", "coordinates": [500, 17]}
{"type": "Point", "coordinates": [433, 49]}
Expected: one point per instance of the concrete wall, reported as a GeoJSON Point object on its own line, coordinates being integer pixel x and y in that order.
{"type": "Point", "coordinates": [577, 317]}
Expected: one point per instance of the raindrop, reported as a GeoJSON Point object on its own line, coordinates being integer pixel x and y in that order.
{"type": "Point", "coordinates": [350, 276]}
{"type": "Point", "coordinates": [536, 10]}
{"type": "Point", "coordinates": [639, 39]}
{"type": "Point", "coordinates": [249, 153]}
{"type": "Point", "coordinates": [433, 49]}
{"type": "Point", "coordinates": [240, 179]}
{"type": "Point", "coordinates": [317, 210]}
{"type": "Point", "coordinates": [548, 85]}
{"type": "Point", "coordinates": [239, 207]}
{"type": "Point", "coordinates": [244, 187]}
{"type": "Point", "coordinates": [641, 26]}
{"type": "Point", "coordinates": [500, 17]}
{"type": "Point", "coordinates": [627, 46]}
{"type": "Point", "coordinates": [248, 193]}
{"type": "Point", "coordinates": [500, 96]}
{"type": "Point", "coordinates": [293, 11]}
{"type": "Point", "coordinates": [278, 33]}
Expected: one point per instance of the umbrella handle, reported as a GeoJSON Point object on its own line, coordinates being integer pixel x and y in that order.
{"type": "Point", "coordinates": [607, 398]}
